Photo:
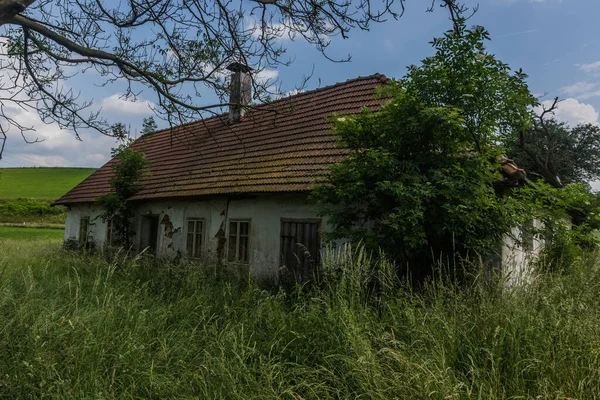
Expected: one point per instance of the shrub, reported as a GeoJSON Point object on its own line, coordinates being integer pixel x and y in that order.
{"type": "Point", "coordinates": [29, 207]}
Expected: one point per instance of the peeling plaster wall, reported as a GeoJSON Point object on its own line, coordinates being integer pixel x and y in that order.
{"type": "Point", "coordinates": [97, 229]}
{"type": "Point", "coordinates": [264, 213]}
{"type": "Point", "coordinates": [516, 261]}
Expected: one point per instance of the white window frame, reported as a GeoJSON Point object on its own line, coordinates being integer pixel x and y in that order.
{"type": "Point", "coordinates": [236, 258]}
{"type": "Point", "coordinates": [194, 233]}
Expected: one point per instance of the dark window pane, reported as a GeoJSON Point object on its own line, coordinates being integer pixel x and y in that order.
{"type": "Point", "coordinates": [199, 227]}
{"type": "Point", "coordinates": [243, 249]}
{"type": "Point", "coordinates": [233, 228]}
{"type": "Point", "coordinates": [83, 229]}
{"type": "Point", "coordinates": [231, 253]}
{"type": "Point", "coordinates": [190, 226]}
{"type": "Point", "coordinates": [189, 245]}
{"type": "Point", "coordinates": [198, 246]}
{"type": "Point", "coordinates": [244, 228]}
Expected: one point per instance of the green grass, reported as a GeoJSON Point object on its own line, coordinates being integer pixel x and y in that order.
{"type": "Point", "coordinates": [31, 211]}
{"type": "Point", "coordinates": [75, 326]}
{"type": "Point", "coordinates": [40, 183]}
{"type": "Point", "coordinates": [30, 234]}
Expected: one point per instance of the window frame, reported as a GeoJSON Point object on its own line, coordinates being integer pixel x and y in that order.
{"type": "Point", "coordinates": [238, 235]}
{"type": "Point", "coordinates": [195, 220]}
{"type": "Point", "coordinates": [84, 239]}
{"type": "Point", "coordinates": [152, 251]}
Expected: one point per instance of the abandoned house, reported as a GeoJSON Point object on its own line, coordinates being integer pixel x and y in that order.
{"type": "Point", "coordinates": [234, 187]}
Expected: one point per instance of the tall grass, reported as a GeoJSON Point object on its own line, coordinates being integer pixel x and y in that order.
{"type": "Point", "coordinates": [75, 326]}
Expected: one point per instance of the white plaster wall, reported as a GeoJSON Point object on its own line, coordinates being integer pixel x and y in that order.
{"type": "Point", "coordinates": [517, 263]}
{"type": "Point", "coordinates": [264, 213]}
{"type": "Point", "coordinates": [97, 228]}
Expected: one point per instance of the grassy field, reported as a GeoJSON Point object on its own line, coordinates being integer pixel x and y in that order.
{"type": "Point", "coordinates": [29, 234]}
{"type": "Point", "coordinates": [75, 326]}
{"type": "Point", "coordinates": [40, 183]}
{"type": "Point", "coordinates": [26, 195]}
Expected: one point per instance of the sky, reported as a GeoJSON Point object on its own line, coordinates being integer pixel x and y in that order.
{"type": "Point", "coordinates": [556, 42]}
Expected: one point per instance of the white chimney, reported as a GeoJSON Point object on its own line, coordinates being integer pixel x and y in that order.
{"type": "Point", "coordinates": [240, 92]}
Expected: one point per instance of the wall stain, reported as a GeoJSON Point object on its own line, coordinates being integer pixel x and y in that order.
{"type": "Point", "coordinates": [169, 231]}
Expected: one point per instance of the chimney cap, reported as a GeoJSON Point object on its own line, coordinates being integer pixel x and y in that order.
{"type": "Point", "coordinates": [238, 67]}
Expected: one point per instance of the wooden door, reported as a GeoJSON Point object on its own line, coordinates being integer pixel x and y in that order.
{"type": "Point", "coordinates": [300, 247]}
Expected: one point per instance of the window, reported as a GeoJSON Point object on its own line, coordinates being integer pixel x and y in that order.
{"type": "Point", "coordinates": [194, 237]}
{"type": "Point", "coordinates": [110, 234]}
{"type": "Point", "coordinates": [238, 241]}
{"type": "Point", "coordinates": [300, 246]}
{"type": "Point", "coordinates": [84, 229]}
{"type": "Point", "coordinates": [149, 234]}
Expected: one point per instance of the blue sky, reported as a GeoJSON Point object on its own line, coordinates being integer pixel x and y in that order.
{"type": "Point", "coordinates": [556, 42]}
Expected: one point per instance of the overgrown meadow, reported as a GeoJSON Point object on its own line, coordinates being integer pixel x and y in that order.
{"type": "Point", "coordinates": [80, 326]}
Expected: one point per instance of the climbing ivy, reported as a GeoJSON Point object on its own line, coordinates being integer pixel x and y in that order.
{"type": "Point", "coordinates": [129, 167]}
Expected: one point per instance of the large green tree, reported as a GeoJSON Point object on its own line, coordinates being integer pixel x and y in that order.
{"type": "Point", "coordinates": [419, 179]}
{"type": "Point", "coordinates": [557, 153]}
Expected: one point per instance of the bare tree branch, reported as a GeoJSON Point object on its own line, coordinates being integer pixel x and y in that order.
{"type": "Point", "coordinates": [178, 49]}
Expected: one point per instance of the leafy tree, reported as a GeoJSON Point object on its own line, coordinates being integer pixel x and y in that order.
{"type": "Point", "coordinates": [569, 216]}
{"type": "Point", "coordinates": [129, 167]}
{"type": "Point", "coordinates": [419, 179]}
{"type": "Point", "coordinates": [148, 126]}
{"type": "Point", "coordinates": [177, 49]}
{"type": "Point", "coordinates": [557, 153]}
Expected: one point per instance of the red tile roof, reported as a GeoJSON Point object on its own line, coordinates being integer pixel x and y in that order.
{"type": "Point", "coordinates": [282, 146]}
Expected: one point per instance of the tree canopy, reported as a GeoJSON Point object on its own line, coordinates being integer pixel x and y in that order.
{"type": "Point", "coordinates": [557, 153]}
{"type": "Point", "coordinates": [422, 177]}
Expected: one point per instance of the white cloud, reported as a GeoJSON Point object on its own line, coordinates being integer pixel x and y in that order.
{"type": "Point", "coordinates": [591, 67]}
{"type": "Point", "coordinates": [581, 90]}
{"type": "Point", "coordinates": [289, 93]}
{"type": "Point", "coordinates": [57, 147]}
{"type": "Point", "coordinates": [117, 104]}
{"type": "Point", "coordinates": [577, 88]}
{"type": "Point", "coordinates": [574, 112]}
{"type": "Point", "coordinates": [267, 75]}
{"type": "Point", "coordinates": [37, 160]}
{"type": "Point", "coordinates": [277, 31]}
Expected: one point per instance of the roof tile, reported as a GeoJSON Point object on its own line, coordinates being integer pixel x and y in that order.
{"type": "Point", "coordinates": [282, 146]}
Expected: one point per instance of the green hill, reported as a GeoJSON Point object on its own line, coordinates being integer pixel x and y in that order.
{"type": "Point", "coordinates": [40, 183]}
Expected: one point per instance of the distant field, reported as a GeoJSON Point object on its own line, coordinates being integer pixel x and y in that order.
{"type": "Point", "coordinates": [9, 232]}
{"type": "Point", "coordinates": [40, 183]}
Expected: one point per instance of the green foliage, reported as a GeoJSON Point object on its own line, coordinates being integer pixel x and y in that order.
{"type": "Point", "coordinates": [30, 210]}
{"type": "Point", "coordinates": [492, 100]}
{"type": "Point", "coordinates": [418, 181]}
{"type": "Point", "coordinates": [129, 167]}
{"type": "Point", "coordinates": [557, 153]}
{"type": "Point", "coordinates": [148, 126]}
{"type": "Point", "coordinates": [569, 216]}
{"type": "Point", "coordinates": [77, 326]}
{"type": "Point", "coordinates": [26, 207]}
{"type": "Point", "coordinates": [40, 183]}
